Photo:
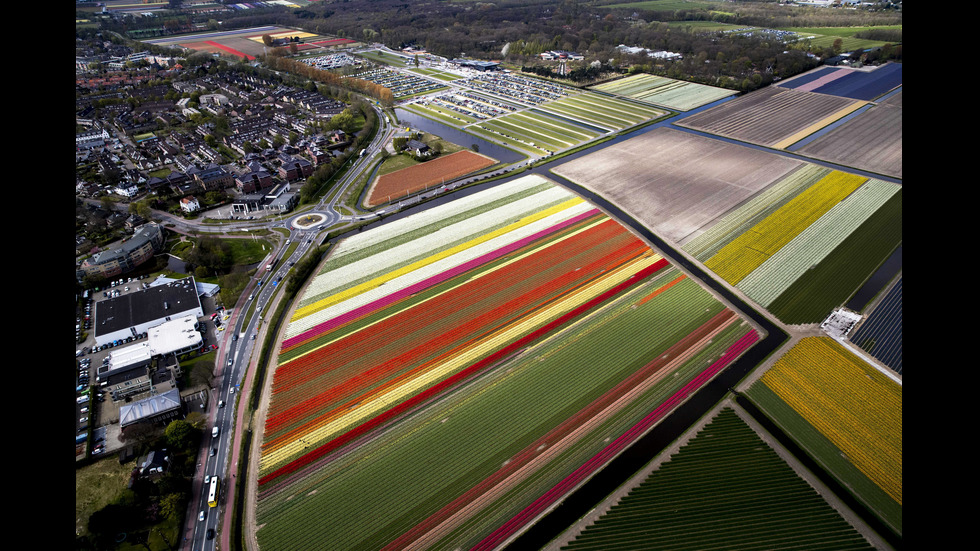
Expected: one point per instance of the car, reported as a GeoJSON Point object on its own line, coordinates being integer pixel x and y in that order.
{"type": "Point", "coordinates": [214, 451]}
{"type": "Point", "coordinates": [210, 533]}
{"type": "Point", "coordinates": [221, 403]}
{"type": "Point", "coordinates": [207, 479]}
{"type": "Point", "coordinates": [83, 419]}
{"type": "Point", "coordinates": [200, 517]}
{"type": "Point", "coordinates": [97, 451]}
{"type": "Point", "coordinates": [253, 336]}
{"type": "Point", "coordinates": [230, 361]}
{"type": "Point", "coordinates": [234, 338]}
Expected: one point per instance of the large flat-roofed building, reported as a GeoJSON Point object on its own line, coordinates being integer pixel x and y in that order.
{"type": "Point", "coordinates": [176, 336]}
{"type": "Point", "coordinates": [134, 313]}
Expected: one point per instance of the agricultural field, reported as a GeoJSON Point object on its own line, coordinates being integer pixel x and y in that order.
{"type": "Point", "coordinates": [245, 43]}
{"type": "Point", "coordinates": [824, 37]}
{"type": "Point", "coordinates": [880, 334]}
{"type": "Point", "coordinates": [674, 182]}
{"type": "Point", "coordinates": [436, 74]}
{"type": "Point", "coordinates": [665, 92]}
{"type": "Point", "coordinates": [847, 415]}
{"type": "Point", "coordinates": [772, 117]}
{"type": "Point", "coordinates": [605, 113]}
{"type": "Point", "coordinates": [803, 247]}
{"type": "Point", "coordinates": [724, 488]}
{"type": "Point", "coordinates": [871, 140]}
{"type": "Point", "coordinates": [848, 83]}
{"type": "Point", "coordinates": [406, 181]}
{"type": "Point", "coordinates": [450, 375]}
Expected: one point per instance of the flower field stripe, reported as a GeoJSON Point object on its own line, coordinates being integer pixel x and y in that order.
{"type": "Point", "coordinates": [405, 326]}
{"type": "Point", "coordinates": [748, 251]}
{"type": "Point", "coordinates": [342, 272]}
{"type": "Point", "coordinates": [512, 526]}
{"type": "Point", "coordinates": [381, 264]}
{"type": "Point", "coordinates": [561, 437]}
{"type": "Point", "coordinates": [403, 387]}
{"type": "Point", "coordinates": [657, 292]}
{"type": "Point", "coordinates": [459, 328]}
{"type": "Point", "coordinates": [814, 243]}
{"type": "Point", "coordinates": [459, 377]}
{"type": "Point", "coordinates": [359, 311]}
{"type": "Point", "coordinates": [497, 267]}
{"type": "Point", "coordinates": [522, 320]}
{"type": "Point", "coordinates": [509, 313]}
{"type": "Point", "coordinates": [398, 231]}
{"type": "Point", "coordinates": [432, 265]}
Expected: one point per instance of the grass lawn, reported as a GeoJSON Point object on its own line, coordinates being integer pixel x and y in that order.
{"type": "Point", "coordinates": [96, 486]}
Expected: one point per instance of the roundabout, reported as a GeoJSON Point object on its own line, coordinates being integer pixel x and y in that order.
{"type": "Point", "coordinates": [309, 221]}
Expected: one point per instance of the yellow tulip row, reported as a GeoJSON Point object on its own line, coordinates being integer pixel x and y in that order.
{"type": "Point", "coordinates": [749, 250]}
{"type": "Point", "coordinates": [849, 402]}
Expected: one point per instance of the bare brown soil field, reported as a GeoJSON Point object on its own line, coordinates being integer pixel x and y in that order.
{"type": "Point", "coordinates": [773, 116]}
{"type": "Point", "coordinates": [871, 141]}
{"type": "Point", "coordinates": [430, 173]}
{"type": "Point", "coordinates": [676, 183]}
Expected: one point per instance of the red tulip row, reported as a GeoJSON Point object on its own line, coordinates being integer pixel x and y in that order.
{"type": "Point", "coordinates": [457, 378]}
{"type": "Point", "coordinates": [409, 360]}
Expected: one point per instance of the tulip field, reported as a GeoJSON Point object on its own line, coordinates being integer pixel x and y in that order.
{"type": "Point", "coordinates": [447, 377]}
{"type": "Point", "coordinates": [803, 246]}
{"type": "Point", "coordinates": [845, 413]}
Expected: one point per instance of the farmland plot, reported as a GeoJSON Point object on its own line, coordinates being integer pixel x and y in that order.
{"type": "Point", "coordinates": [772, 117]}
{"type": "Point", "coordinates": [870, 141]}
{"type": "Point", "coordinates": [845, 413]}
{"type": "Point", "coordinates": [676, 183]}
{"type": "Point", "coordinates": [449, 375]}
{"type": "Point", "coordinates": [422, 176]}
{"type": "Point", "coordinates": [723, 488]}
{"type": "Point", "coordinates": [665, 92]}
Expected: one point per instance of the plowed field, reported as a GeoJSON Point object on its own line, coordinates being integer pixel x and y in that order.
{"type": "Point", "coordinates": [418, 177]}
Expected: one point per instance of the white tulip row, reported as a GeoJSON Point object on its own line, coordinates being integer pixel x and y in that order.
{"type": "Point", "coordinates": [376, 291]}
{"type": "Point", "coordinates": [345, 276]}
{"type": "Point", "coordinates": [814, 243]}
{"type": "Point", "coordinates": [434, 215]}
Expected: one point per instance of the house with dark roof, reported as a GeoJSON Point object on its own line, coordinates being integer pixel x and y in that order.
{"type": "Point", "coordinates": [294, 169]}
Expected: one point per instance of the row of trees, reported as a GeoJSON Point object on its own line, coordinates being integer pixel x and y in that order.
{"type": "Point", "coordinates": [356, 85]}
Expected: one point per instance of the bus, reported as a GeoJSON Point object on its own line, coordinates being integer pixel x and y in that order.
{"type": "Point", "coordinates": [213, 492]}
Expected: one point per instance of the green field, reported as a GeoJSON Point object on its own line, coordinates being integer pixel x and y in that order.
{"type": "Point", "coordinates": [829, 284]}
{"type": "Point", "coordinates": [666, 5]}
{"type": "Point", "coordinates": [824, 37]}
{"type": "Point", "coordinates": [724, 489]}
{"type": "Point", "coordinates": [436, 74]}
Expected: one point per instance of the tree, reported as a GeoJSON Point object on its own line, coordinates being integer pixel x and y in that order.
{"type": "Point", "coordinates": [267, 39]}
{"type": "Point", "coordinates": [172, 506]}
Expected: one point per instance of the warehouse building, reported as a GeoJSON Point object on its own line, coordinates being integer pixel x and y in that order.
{"type": "Point", "coordinates": [134, 313]}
